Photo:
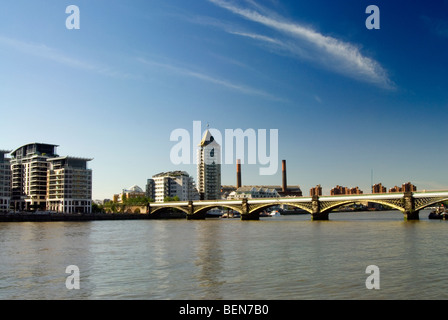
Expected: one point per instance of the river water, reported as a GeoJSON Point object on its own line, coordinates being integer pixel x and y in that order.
{"type": "Point", "coordinates": [276, 258]}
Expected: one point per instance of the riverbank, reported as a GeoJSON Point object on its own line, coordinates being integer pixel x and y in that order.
{"type": "Point", "coordinates": [48, 217]}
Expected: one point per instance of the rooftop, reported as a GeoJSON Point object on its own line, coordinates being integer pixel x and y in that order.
{"type": "Point", "coordinates": [70, 158]}
{"type": "Point", "coordinates": [134, 188]}
{"type": "Point", "coordinates": [207, 139]}
{"type": "Point", "coordinates": [171, 174]}
{"type": "Point", "coordinates": [47, 148]}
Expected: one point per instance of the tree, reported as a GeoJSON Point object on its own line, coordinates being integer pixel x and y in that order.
{"type": "Point", "coordinates": [97, 208]}
{"type": "Point", "coordinates": [168, 199]}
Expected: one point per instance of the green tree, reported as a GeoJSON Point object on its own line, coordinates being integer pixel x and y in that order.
{"type": "Point", "coordinates": [97, 208]}
{"type": "Point", "coordinates": [168, 199]}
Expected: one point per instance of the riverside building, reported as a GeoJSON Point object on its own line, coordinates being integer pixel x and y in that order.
{"type": "Point", "coordinates": [42, 180]}
{"type": "Point", "coordinates": [69, 185]}
{"type": "Point", "coordinates": [5, 181]}
{"type": "Point", "coordinates": [209, 168]}
{"type": "Point", "coordinates": [29, 168]}
{"type": "Point", "coordinates": [172, 184]}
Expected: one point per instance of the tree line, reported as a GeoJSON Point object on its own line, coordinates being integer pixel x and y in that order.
{"type": "Point", "coordinates": [121, 207]}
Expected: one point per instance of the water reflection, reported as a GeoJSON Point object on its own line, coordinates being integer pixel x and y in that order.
{"type": "Point", "coordinates": [209, 258]}
{"type": "Point", "coordinates": [276, 258]}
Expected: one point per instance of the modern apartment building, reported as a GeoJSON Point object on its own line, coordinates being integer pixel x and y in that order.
{"type": "Point", "coordinates": [29, 168]}
{"type": "Point", "coordinates": [42, 180]}
{"type": "Point", "coordinates": [5, 181]}
{"type": "Point", "coordinates": [171, 184]}
{"type": "Point", "coordinates": [69, 185]}
{"type": "Point", "coordinates": [151, 189]}
{"type": "Point", "coordinates": [209, 168]}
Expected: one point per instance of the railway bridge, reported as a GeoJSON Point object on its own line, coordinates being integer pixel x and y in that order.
{"type": "Point", "coordinates": [319, 207]}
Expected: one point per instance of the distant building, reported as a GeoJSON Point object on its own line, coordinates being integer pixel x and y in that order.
{"type": "Point", "coordinates": [253, 192]}
{"type": "Point", "coordinates": [132, 192]}
{"type": "Point", "coordinates": [405, 187]}
{"type": "Point", "coordinates": [355, 190]}
{"type": "Point", "coordinates": [395, 189]}
{"type": "Point", "coordinates": [378, 188]}
{"type": "Point", "coordinates": [226, 190]}
{"type": "Point", "coordinates": [209, 168]}
{"type": "Point", "coordinates": [172, 184]}
{"type": "Point", "coordinates": [69, 185]}
{"type": "Point", "coordinates": [5, 181]}
{"type": "Point", "coordinates": [316, 191]}
{"type": "Point", "coordinates": [291, 191]}
{"type": "Point", "coordinates": [29, 168]}
{"type": "Point", "coordinates": [340, 190]}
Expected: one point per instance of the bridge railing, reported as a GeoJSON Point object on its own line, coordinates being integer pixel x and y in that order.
{"type": "Point", "coordinates": [340, 197]}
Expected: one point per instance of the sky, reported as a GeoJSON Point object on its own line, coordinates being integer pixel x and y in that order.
{"type": "Point", "coordinates": [351, 105]}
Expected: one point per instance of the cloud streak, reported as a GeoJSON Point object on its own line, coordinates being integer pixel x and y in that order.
{"type": "Point", "coordinates": [339, 56]}
{"type": "Point", "coordinates": [43, 51]}
{"type": "Point", "coordinates": [210, 79]}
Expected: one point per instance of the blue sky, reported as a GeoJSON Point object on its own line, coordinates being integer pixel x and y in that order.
{"type": "Point", "coordinates": [347, 101]}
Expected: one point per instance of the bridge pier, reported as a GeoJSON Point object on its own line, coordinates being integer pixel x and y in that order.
{"type": "Point", "coordinates": [409, 207]}
{"type": "Point", "coordinates": [245, 212]}
{"type": "Point", "coordinates": [411, 215]}
{"type": "Point", "coordinates": [319, 216]}
{"type": "Point", "coordinates": [250, 216]}
{"type": "Point", "coordinates": [194, 216]}
{"type": "Point", "coordinates": [316, 214]}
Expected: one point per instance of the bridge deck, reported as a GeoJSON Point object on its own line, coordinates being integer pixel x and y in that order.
{"type": "Point", "coordinates": [336, 198]}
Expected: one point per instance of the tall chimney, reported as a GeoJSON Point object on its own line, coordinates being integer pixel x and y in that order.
{"type": "Point", "coordinates": [284, 184]}
{"type": "Point", "coordinates": [238, 173]}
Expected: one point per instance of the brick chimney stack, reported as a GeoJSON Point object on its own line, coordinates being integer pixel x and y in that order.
{"type": "Point", "coordinates": [238, 173]}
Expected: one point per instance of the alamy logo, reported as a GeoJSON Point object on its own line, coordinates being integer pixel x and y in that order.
{"type": "Point", "coordinates": [72, 281]}
{"type": "Point", "coordinates": [233, 145]}
{"type": "Point", "coordinates": [373, 280]}
{"type": "Point", "coordinates": [73, 20]}
{"type": "Point", "coordinates": [373, 20]}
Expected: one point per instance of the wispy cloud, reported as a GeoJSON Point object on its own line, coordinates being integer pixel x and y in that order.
{"type": "Point", "coordinates": [211, 79]}
{"type": "Point", "coordinates": [46, 52]}
{"type": "Point", "coordinates": [257, 37]}
{"type": "Point", "coordinates": [339, 56]}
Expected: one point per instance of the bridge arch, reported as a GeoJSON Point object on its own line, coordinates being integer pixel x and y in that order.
{"type": "Point", "coordinates": [330, 207]}
{"type": "Point", "coordinates": [430, 203]}
{"type": "Point", "coordinates": [198, 209]}
{"type": "Point", "coordinates": [180, 208]}
{"type": "Point", "coordinates": [260, 207]}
